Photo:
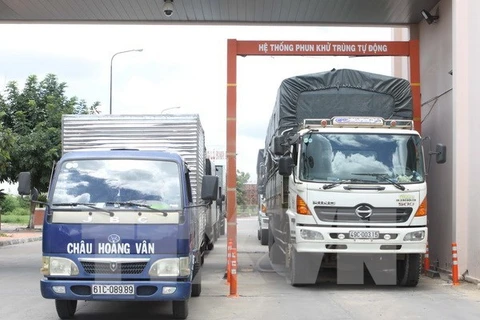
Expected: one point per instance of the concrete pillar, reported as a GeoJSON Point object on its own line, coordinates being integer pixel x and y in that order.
{"type": "Point", "coordinates": [466, 132]}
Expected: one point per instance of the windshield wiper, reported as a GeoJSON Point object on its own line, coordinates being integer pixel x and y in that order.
{"type": "Point", "coordinates": [135, 204]}
{"type": "Point", "coordinates": [384, 177]}
{"type": "Point", "coordinates": [334, 184]}
{"type": "Point", "coordinates": [90, 205]}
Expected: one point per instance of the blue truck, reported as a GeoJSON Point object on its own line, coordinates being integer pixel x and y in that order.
{"type": "Point", "coordinates": [127, 211]}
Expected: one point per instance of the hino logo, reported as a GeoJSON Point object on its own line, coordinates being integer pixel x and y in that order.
{"type": "Point", "coordinates": [114, 238]}
{"type": "Point", "coordinates": [363, 211]}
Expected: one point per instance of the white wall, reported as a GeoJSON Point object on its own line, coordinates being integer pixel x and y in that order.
{"type": "Point", "coordinates": [451, 44]}
{"type": "Point", "coordinates": [437, 108]}
{"type": "Point", "coordinates": [466, 133]}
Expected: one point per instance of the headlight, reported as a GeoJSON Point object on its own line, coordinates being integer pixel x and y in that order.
{"type": "Point", "coordinates": [414, 236]}
{"type": "Point", "coordinates": [56, 266]}
{"type": "Point", "coordinates": [310, 235]}
{"type": "Point", "coordinates": [171, 267]}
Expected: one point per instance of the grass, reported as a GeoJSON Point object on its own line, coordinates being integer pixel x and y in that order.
{"type": "Point", "coordinates": [20, 219]}
{"type": "Point", "coordinates": [14, 210]}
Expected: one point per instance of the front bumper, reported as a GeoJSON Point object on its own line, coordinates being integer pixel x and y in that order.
{"type": "Point", "coordinates": [144, 290]}
{"type": "Point", "coordinates": [332, 244]}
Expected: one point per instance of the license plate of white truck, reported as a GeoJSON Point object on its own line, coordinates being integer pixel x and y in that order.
{"type": "Point", "coordinates": [364, 234]}
{"type": "Point", "coordinates": [113, 289]}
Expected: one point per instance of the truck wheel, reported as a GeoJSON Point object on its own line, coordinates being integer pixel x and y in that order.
{"type": "Point", "coordinates": [180, 309]}
{"type": "Point", "coordinates": [270, 239]}
{"type": "Point", "coordinates": [259, 235]}
{"type": "Point", "coordinates": [409, 270]}
{"type": "Point", "coordinates": [66, 308]}
{"type": "Point", "coordinates": [197, 281]}
{"type": "Point", "coordinates": [274, 253]}
{"type": "Point", "coordinates": [217, 231]}
{"type": "Point", "coordinates": [210, 246]}
{"type": "Point", "coordinates": [264, 237]}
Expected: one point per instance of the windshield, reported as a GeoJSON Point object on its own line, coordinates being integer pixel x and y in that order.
{"type": "Point", "coordinates": [365, 158]}
{"type": "Point", "coordinates": [103, 181]}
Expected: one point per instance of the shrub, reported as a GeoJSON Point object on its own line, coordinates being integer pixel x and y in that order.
{"type": "Point", "coordinates": [24, 202]}
{"type": "Point", "coordinates": [42, 197]}
{"type": "Point", "coordinates": [9, 203]}
{"type": "Point", "coordinates": [20, 212]}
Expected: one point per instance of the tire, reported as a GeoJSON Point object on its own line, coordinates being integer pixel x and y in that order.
{"type": "Point", "coordinates": [180, 309]}
{"type": "Point", "coordinates": [197, 287]}
{"type": "Point", "coordinates": [270, 239]}
{"type": "Point", "coordinates": [259, 235]}
{"type": "Point", "coordinates": [274, 253]}
{"type": "Point", "coordinates": [409, 270]}
{"type": "Point", "coordinates": [264, 237]}
{"type": "Point", "coordinates": [210, 246]}
{"type": "Point", "coordinates": [217, 231]}
{"type": "Point", "coordinates": [197, 281]}
{"type": "Point", "coordinates": [66, 308]}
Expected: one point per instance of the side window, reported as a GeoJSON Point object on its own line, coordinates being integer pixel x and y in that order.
{"type": "Point", "coordinates": [188, 185]}
{"type": "Point", "coordinates": [295, 154]}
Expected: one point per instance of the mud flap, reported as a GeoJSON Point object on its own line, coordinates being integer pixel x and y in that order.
{"type": "Point", "coordinates": [351, 268]}
{"type": "Point", "coordinates": [303, 267]}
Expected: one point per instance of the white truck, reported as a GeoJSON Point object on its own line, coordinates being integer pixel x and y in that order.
{"type": "Point", "coordinates": [262, 231]}
{"type": "Point", "coordinates": [345, 179]}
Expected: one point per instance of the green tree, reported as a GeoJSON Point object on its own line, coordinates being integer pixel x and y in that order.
{"type": "Point", "coordinates": [6, 145]}
{"type": "Point", "coordinates": [242, 179]}
{"type": "Point", "coordinates": [30, 127]}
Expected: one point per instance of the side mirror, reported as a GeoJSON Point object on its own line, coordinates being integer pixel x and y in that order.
{"type": "Point", "coordinates": [220, 200]}
{"type": "Point", "coordinates": [24, 183]}
{"type": "Point", "coordinates": [209, 188]}
{"type": "Point", "coordinates": [285, 165]}
{"type": "Point", "coordinates": [441, 153]}
{"type": "Point", "coordinates": [279, 147]}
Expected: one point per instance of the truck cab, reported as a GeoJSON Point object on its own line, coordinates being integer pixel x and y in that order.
{"type": "Point", "coordinates": [353, 188]}
{"type": "Point", "coordinates": [122, 225]}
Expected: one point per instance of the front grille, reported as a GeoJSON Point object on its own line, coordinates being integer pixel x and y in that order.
{"type": "Point", "coordinates": [347, 214]}
{"type": "Point", "coordinates": [113, 267]}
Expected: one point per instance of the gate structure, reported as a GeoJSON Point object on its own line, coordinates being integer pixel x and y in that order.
{"type": "Point", "coordinates": [298, 48]}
